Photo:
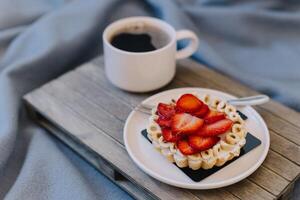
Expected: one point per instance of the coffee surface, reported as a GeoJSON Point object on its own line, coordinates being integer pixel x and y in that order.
{"type": "Point", "coordinates": [140, 37]}
{"type": "Point", "coordinates": [132, 42]}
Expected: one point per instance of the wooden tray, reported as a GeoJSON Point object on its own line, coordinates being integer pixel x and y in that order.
{"type": "Point", "coordinates": [86, 112]}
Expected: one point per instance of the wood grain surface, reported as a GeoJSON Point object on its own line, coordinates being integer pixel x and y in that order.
{"type": "Point", "coordinates": [84, 110]}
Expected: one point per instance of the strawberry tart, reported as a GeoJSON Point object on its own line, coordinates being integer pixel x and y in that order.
{"type": "Point", "coordinates": [197, 132]}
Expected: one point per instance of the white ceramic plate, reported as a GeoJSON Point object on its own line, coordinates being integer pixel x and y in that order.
{"type": "Point", "coordinates": [153, 163]}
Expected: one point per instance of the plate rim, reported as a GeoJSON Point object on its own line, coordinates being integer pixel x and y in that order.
{"type": "Point", "coordinates": [196, 185]}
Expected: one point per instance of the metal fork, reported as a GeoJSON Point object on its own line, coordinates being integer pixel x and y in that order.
{"type": "Point", "coordinates": [244, 101]}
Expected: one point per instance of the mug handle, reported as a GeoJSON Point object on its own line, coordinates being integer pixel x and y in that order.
{"type": "Point", "coordinates": [192, 45]}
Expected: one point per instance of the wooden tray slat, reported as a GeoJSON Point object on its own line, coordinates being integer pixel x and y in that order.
{"type": "Point", "coordinates": [279, 165]}
{"type": "Point", "coordinates": [84, 103]}
{"type": "Point", "coordinates": [78, 82]}
{"type": "Point", "coordinates": [281, 126]}
{"type": "Point", "coordinates": [284, 147]}
{"type": "Point", "coordinates": [89, 111]}
{"type": "Point", "coordinates": [262, 174]}
{"type": "Point", "coordinates": [248, 190]}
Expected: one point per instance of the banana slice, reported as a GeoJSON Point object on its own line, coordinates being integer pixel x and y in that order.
{"type": "Point", "coordinates": [239, 130]}
{"type": "Point", "coordinates": [206, 98]}
{"type": "Point", "coordinates": [234, 116]}
{"type": "Point", "coordinates": [156, 145]}
{"type": "Point", "coordinates": [221, 155]}
{"type": "Point", "coordinates": [168, 154]}
{"type": "Point", "coordinates": [221, 106]}
{"type": "Point", "coordinates": [229, 109]}
{"type": "Point", "coordinates": [215, 103]}
{"type": "Point", "coordinates": [195, 161]}
{"type": "Point", "coordinates": [208, 159]}
{"type": "Point", "coordinates": [232, 138]}
{"type": "Point", "coordinates": [180, 159]}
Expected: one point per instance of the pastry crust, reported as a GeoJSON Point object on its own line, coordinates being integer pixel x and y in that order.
{"type": "Point", "coordinates": [226, 149]}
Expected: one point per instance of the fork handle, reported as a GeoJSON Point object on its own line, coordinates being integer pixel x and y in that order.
{"type": "Point", "coordinates": [249, 101]}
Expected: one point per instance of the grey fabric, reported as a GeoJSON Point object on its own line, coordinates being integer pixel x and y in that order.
{"type": "Point", "coordinates": [256, 42]}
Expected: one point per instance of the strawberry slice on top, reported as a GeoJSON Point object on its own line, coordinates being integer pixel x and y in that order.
{"type": "Point", "coordinates": [185, 148]}
{"type": "Point", "coordinates": [164, 122]}
{"type": "Point", "coordinates": [202, 112]}
{"type": "Point", "coordinates": [184, 123]}
{"type": "Point", "coordinates": [169, 136]}
{"type": "Point", "coordinates": [188, 103]}
{"type": "Point", "coordinates": [213, 116]}
{"type": "Point", "coordinates": [216, 128]}
{"type": "Point", "coordinates": [165, 110]}
{"type": "Point", "coordinates": [202, 143]}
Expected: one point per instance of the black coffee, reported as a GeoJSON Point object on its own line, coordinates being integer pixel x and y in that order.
{"type": "Point", "coordinates": [133, 42]}
{"type": "Point", "coordinates": [142, 38]}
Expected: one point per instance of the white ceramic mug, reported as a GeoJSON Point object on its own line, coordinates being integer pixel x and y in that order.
{"type": "Point", "coordinates": [145, 71]}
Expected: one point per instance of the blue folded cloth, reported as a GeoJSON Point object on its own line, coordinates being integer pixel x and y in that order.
{"type": "Point", "coordinates": [256, 42]}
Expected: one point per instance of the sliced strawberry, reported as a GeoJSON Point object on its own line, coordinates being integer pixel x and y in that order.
{"type": "Point", "coordinates": [213, 116]}
{"type": "Point", "coordinates": [202, 112]}
{"type": "Point", "coordinates": [162, 122]}
{"type": "Point", "coordinates": [169, 136]}
{"type": "Point", "coordinates": [188, 103]}
{"type": "Point", "coordinates": [185, 123]}
{"type": "Point", "coordinates": [165, 110]}
{"type": "Point", "coordinates": [202, 143]}
{"type": "Point", "coordinates": [216, 128]}
{"type": "Point", "coordinates": [185, 148]}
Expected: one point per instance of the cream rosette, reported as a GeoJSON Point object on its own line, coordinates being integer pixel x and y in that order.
{"type": "Point", "coordinates": [226, 149]}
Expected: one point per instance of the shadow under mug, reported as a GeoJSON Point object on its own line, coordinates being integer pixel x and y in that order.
{"type": "Point", "coordinates": [145, 71]}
